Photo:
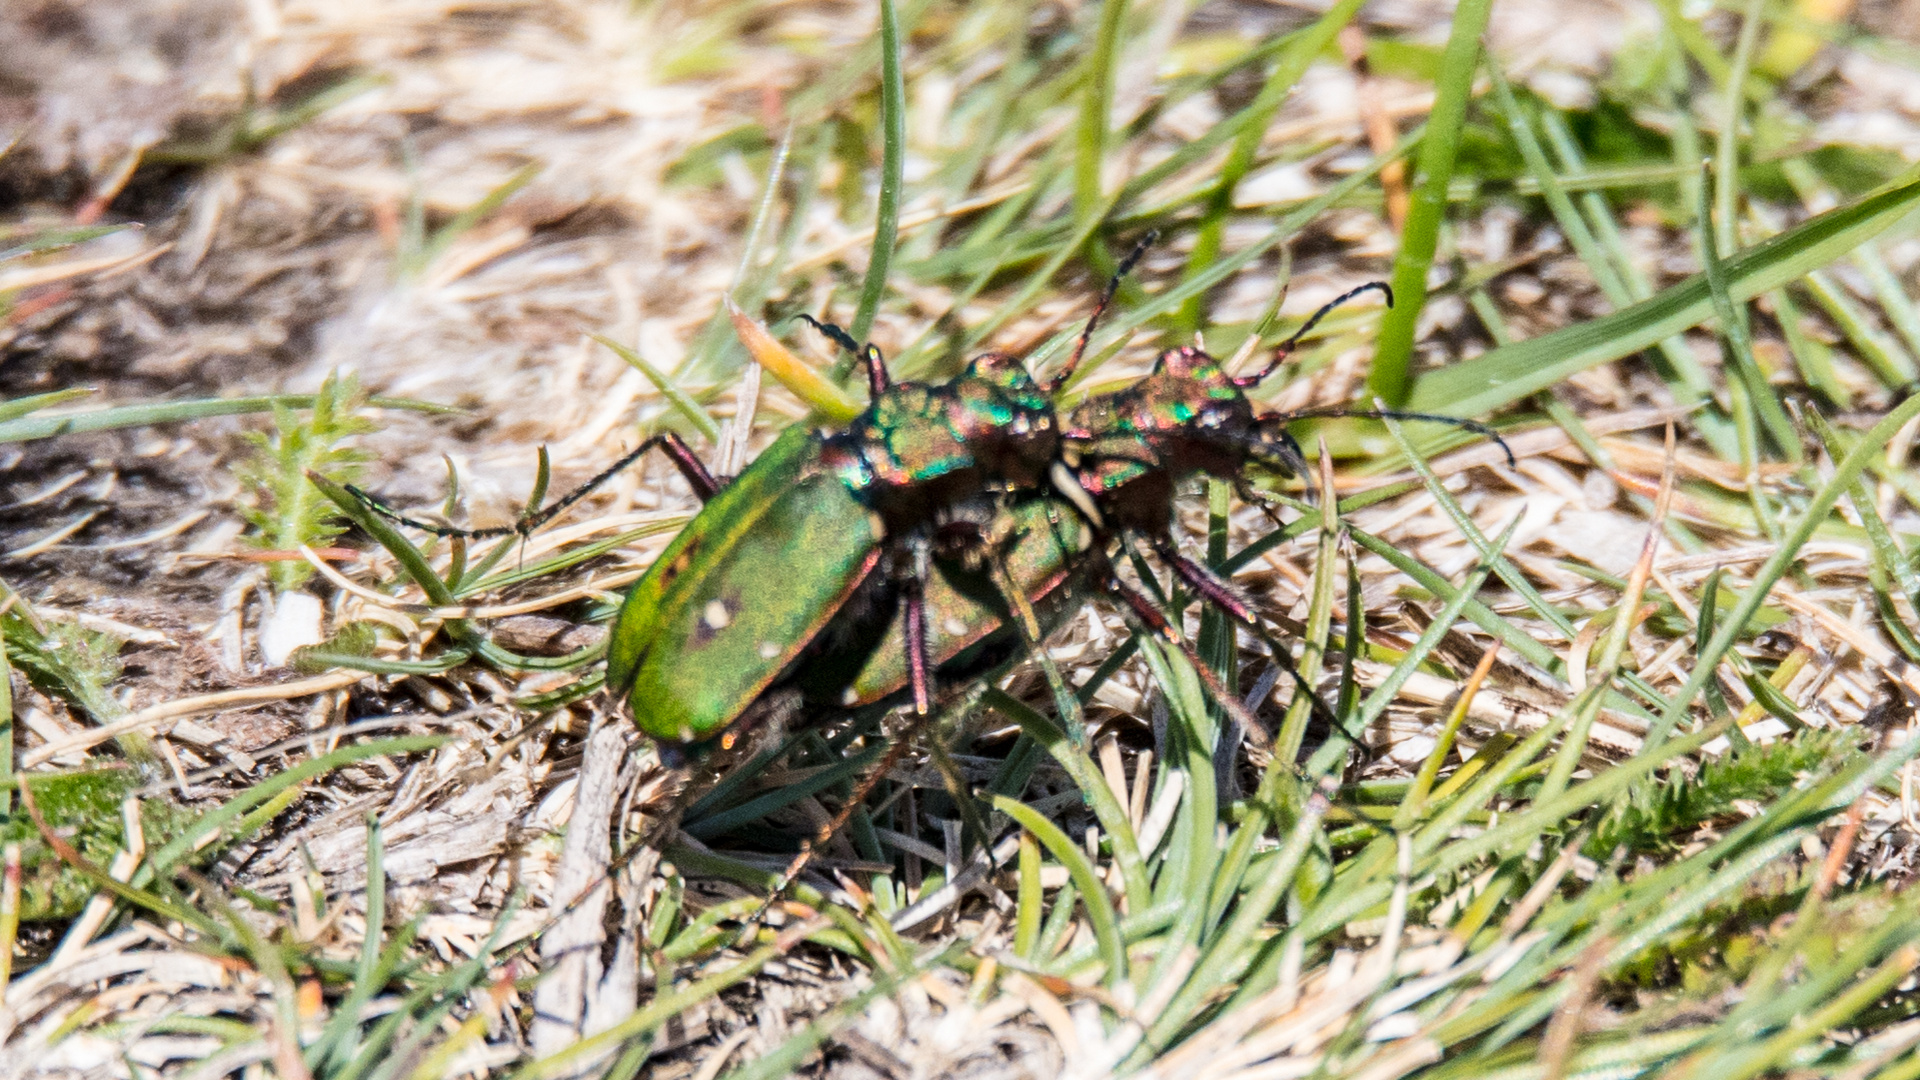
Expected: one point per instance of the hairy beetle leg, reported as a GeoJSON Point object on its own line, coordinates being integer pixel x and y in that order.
{"type": "Point", "coordinates": [1220, 592]}
{"type": "Point", "coordinates": [1155, 622]}
{"type": "Point", "coordinates": [698, 478]}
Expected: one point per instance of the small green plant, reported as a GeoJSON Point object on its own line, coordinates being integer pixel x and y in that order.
{"type": "Point", "coordinates": [286, 511]}
{"type": "Point", "coordinates": [1657, 817]}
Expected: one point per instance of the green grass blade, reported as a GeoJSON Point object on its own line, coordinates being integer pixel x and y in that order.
{"type": "Point", "coordinates": [1726, 188]}
{"type": "Point", "coordinates": [1848, 469]}
{"type": "Point", "coordinates": [682, 404]}
{"type": "Point", "coordinates": [22, 429]}
{"type": "Point", "coordinates": [1246, 145]}
{"type": "Point", "coordinates": [1106, 928]}
{"type": "Point", "coordinates": [1438, 150]}
{"type": "Point", "coordinates": [1737, 348]}
{"type": "Point", "coordinates": [893, 120]}
{"type": "Point", "coordinates": [18, 407]}
{"type": "Point", "coordinates": [1095, 105]}
{"type": "Point", "coordinates": [1512, 372]}
{"type": "Point", "coordinates": [259, 793]}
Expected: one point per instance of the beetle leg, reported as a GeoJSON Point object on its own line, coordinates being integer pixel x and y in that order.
{"type": "Point", "coordinates": [807, 847]}
{"type": "Point", "coordinates": [1221, 593]}
{"type": "Point", "coordinates": [1155, 622]}
{"type": "Point", "coordinates": [1213, 588]}
{"type": "Point", "coordinates": [861, 791]}
{"type": "Point", "coordinates": [676, 449]}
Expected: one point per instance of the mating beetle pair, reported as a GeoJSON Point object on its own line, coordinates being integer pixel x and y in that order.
{"type": "Point", "coordinates": [788, 586]}
{"type": "Point", "coordinates": [940, 509]}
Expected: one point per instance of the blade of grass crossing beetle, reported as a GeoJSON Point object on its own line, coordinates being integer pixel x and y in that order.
{"type": "Point", "coordinates": [1847, 470]}
{"type": "Point", "coordinates": [1507, 374]}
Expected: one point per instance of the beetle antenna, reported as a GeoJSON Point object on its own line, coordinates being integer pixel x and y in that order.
{"type": "Point", "coordinates": [877, 378]}
{"type": "Point", "coordinates": [1106, 298]}
{"type": "Point", "coordinates": [1339, 413]}
{"type": "Point", "coordinates": [833, 333]}
{"type": "Point", "coordinates": [1285, 348]}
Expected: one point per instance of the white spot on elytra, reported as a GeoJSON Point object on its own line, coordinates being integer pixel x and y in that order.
{"type": "Point", "coordinates": [769, 650]}
{"type": "Point", "coordinates": [954, 627]}
{"type": "Point", "coordinates": [716, 615]}
{"type": "Point", "coordinates": [850, 696]}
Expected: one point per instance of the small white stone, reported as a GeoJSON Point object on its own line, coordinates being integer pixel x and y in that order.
{"type": "Point", "coordinates": [294, 621]}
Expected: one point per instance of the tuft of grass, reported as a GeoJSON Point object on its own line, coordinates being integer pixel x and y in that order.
{"type": "Point", "coordinates": [285, 510]}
